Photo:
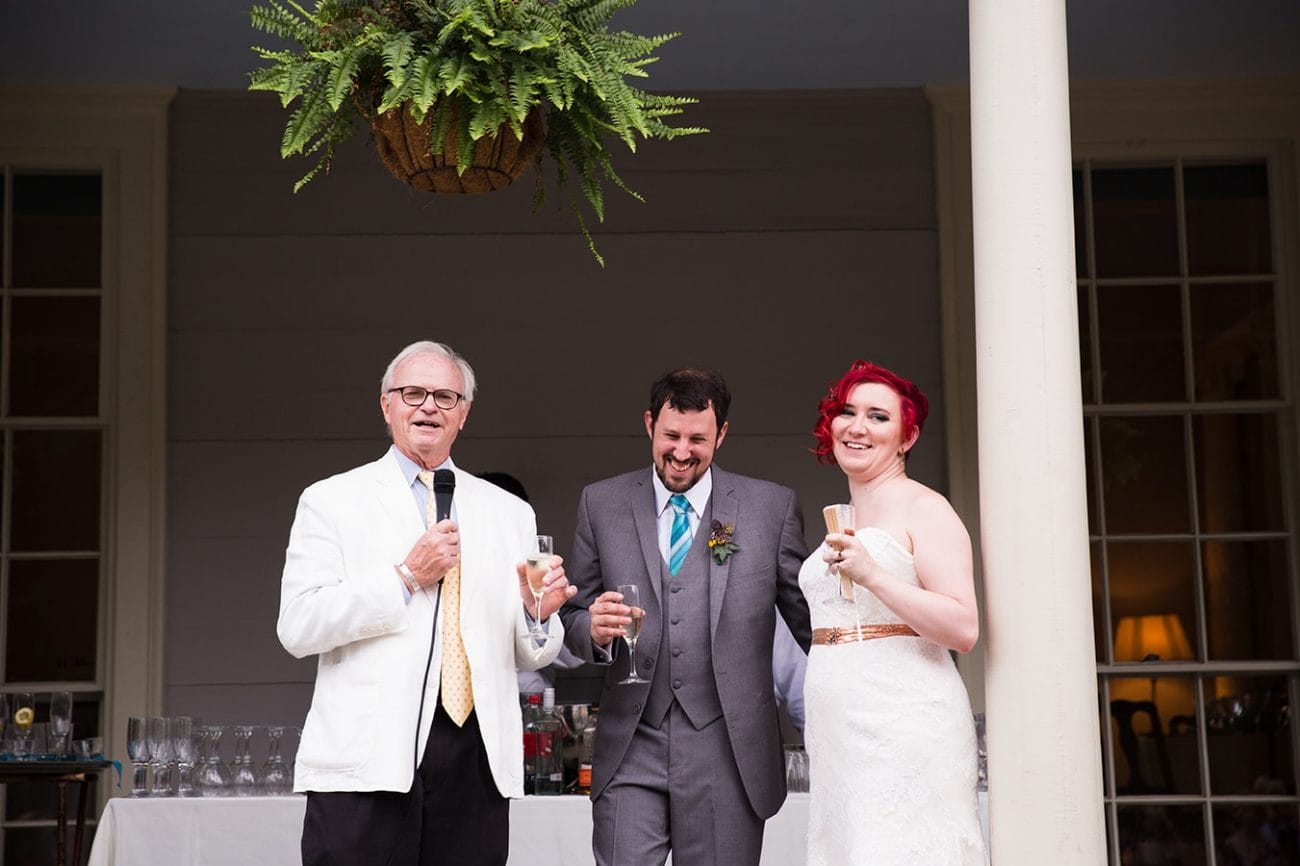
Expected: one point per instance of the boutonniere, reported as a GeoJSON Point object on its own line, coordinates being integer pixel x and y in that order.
{"type": "Point", "coordinates": [722, 541]}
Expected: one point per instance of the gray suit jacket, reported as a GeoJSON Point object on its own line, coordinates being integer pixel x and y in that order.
{"type": "Point", "coordinates": [616, 542]}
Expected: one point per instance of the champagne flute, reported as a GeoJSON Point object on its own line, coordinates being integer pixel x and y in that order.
{"type": "Point", "coordinates": [137, 749]}
{"type": "Point", "coordinates": [840, 518]}
{"type": "Point", "coordinates": [24, 714]}
{"type": "Point", "coordinates": [632, 598]}
{"type": "Point", "coordinates": [536, 566]}
{"type": "Point", "coordinates": [4, 721]}
{"type": "Point", "coordinates": [60, 722]}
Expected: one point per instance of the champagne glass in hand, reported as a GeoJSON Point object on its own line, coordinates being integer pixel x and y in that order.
{"type": "Point", "coordinates": [840, 519]}
{"type": "Point", "coordinates": [536, 566]}
{"type": "Point", "coordinates": [632, 598]}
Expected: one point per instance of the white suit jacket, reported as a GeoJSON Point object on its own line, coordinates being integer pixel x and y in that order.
{"type": "Point", "coordinates": [341, 599]}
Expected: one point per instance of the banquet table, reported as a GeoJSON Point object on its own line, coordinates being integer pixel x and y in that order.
{"type": "Point", "coordinates": [265, 831]}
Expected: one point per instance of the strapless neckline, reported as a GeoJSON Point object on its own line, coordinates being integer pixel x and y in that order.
{"type": "Point", "coordinates": [898, 545]}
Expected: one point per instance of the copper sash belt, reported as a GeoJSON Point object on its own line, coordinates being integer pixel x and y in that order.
{"type": "Point", "coordinates": [848, 634]}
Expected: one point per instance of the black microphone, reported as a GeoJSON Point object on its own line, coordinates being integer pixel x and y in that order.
{"type": "Point", "coordinates": [444, 486]}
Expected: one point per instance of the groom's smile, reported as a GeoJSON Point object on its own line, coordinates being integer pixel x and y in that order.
{"type": "Point", "coordinates": [682, 445]}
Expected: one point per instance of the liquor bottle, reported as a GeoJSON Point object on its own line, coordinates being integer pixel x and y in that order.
{"type": "Point", "coordinates": [546, 733]}
{"type": "Point", "coordinates": [587, 751]}
{"type": "Point", "coordinates": [532, 710]}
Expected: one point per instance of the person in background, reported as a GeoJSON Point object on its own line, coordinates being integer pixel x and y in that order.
{"type": "Point", "coordinates": [533, 682]}
{"type": "Point", "coordinates": [690, 761]}
{"type": "Point", "coordinates": [890, 735]}
{"type": "Point", "coordinates": [414, 740]}
{"type": "Point", "coordinates": [789, 661]}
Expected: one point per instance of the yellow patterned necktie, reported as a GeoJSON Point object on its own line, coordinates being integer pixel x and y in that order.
{"type": "Point", "coordinates": [456, 690]}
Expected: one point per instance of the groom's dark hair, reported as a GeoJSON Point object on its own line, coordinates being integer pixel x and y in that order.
{"type": "Point", "coordinates": [691, 389]}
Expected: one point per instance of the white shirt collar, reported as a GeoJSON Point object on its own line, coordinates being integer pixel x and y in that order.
{"type": "Point", "coordinates": [411, 469]}
{"type": "Point", "coordinates": [697, 496]}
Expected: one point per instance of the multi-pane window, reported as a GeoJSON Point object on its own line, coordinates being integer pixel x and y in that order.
{"type": "Point", "coordinates": [52, 439]}
{"type": "Point", "coordinates": [1189, 439]}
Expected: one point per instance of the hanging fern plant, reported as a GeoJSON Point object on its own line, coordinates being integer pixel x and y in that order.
{"type": "Point", "coordinates": [465, 95]}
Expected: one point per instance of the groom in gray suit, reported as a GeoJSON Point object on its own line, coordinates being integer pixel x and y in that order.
{"type": "Point", "coordinates": [690, 761]}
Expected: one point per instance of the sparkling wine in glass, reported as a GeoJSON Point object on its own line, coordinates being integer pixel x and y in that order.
{"type": "Point", "coordinates": [632, 598]}
{"type": "Point", "coordinates": [839, 519]}
{"type": "Point", "coordinates": [536, 566]}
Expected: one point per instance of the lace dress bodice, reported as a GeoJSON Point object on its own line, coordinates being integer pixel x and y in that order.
{"type": "Point", "coordinates": [890, 737]}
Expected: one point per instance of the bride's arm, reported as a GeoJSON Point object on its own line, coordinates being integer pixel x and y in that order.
{"type": "Point", "coordinates": [942, 609]}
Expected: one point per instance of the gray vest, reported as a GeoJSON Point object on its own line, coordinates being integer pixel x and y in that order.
{"type": "Point", "coordinates": [685, 666]}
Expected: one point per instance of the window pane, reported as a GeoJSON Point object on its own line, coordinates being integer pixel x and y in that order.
{"type": "Point", "coordinates": [1249, 736]}
{"type": "Point", "coordinates": [1238, 472]}
{"type": "Point", "coordinates": [1161, 835]}
{"type": "Point", "coordinates": [1247, 600]}
{"type": "Point", "coordinates": [1153, 600]}
{"type": "Point", "coordinates": [56, 230]}
{"type": "Point", "coordinates": [55, 502]}
{"type": "Point", "coordinates": [1141, 343]}
{"type": "Point", "coordinates": [1134, 222]}
{"type": "Point", "coordinates": [1080, 224]}
{"type": "Point", "coordinates": [1154, 725]}
{"type": "Point", "coordinates": [1262, 834]}
{"type": "Point", "coordinates": [53, 617]}
{"type": "Point", "coordinates": [1228, 228]}
{"type": "Point", "coordinates": [1090, 463]}
{"type": "Point", "coordinates": [1234, 342]}
{"type": "Point", "coordinates": [1144, 474]}
{"type": "Point", "coordinates": [1085, 347]}
{"type": "Point", "coordinates": [55, 356]}
{"type": "Point", "coordinates": [1098, 600]}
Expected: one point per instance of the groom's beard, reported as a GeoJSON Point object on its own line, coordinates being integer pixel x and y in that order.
{"type": "Point", "coordinates": [680, 483]}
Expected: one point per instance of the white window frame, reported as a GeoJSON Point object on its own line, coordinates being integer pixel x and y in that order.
{"type": "Point", "coordinates": [123, 134]}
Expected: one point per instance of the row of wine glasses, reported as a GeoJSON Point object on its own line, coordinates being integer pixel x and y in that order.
{"type": "Point", "coordinates": [171, 756]}
{"type": "Point", "coordinates": [18, 727]}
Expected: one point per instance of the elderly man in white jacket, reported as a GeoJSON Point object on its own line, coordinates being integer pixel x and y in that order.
{"type": "Point", "coordinates": [413, 742]}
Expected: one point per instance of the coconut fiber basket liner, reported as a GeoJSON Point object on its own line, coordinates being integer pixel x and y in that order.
{"type": "Point", "coordinates": [498, 160]}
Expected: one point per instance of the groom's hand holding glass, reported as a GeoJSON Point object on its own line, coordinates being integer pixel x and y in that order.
{"type": "Point", "coordinates": [610, 618]}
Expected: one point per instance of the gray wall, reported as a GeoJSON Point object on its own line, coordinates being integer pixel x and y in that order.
{"type": "Point", "coordinates": [797, 236]}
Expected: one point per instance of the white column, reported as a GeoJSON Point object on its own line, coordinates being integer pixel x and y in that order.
{"type": "Point", "coordinates": [1045, 794]}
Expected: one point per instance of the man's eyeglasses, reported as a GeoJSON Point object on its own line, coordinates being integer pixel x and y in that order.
{"type": "Point", "coordinates": [443, 398]}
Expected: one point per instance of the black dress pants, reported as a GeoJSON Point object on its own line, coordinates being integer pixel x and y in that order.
{"type": "Point", "coordinates": [452, 816]}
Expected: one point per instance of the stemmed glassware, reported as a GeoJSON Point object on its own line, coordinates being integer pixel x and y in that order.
{"type": "Point", "coordinates": [213, 776]}
{"type": "Point", "coordinates": [275, 772]}
{"type": "Point", "coordinates": [4, 722]}
{"type": "Point", "coordinates": [183, 751]}
{"type": "Point", "coordinates": [632, 598]}
{"type": "Point", "coordinates": [244, 777]}
{"type": "Point", "coordinates": [536, 566]}
{"type": "Point", "coordinates": [24, 716]}
{"type": "Point", "coordinates": [839, 519]}
{"type": "Point", "coordinates": [159, 740]}
{"type": "Point", "coordinates": [137, 749]}
{"type": "Point", "coordinates": [60, 735]}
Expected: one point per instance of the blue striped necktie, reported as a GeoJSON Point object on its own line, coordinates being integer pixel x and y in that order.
{"type": "Point", "coordinates": [680, 540]}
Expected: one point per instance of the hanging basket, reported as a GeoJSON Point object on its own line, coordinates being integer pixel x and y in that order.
{"type": "Point", "coordinates": [498, 160]}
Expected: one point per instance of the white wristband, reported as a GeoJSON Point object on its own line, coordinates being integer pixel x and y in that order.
{"type": "Point", "coordinates": [412, 585]}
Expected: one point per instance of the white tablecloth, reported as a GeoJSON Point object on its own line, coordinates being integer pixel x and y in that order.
{"type": "Point", "coordinates": [265, 831]}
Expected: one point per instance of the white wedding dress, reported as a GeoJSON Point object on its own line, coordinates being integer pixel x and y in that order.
{"type": "Point", "coordinates": [889, 734]}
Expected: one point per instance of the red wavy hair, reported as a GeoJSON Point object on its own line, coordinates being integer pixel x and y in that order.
{"type": "Point", "coordinates": [915, 406]}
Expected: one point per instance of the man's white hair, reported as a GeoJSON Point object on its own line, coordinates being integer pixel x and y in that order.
{"type": "Point", "coordinates": [428, 347]}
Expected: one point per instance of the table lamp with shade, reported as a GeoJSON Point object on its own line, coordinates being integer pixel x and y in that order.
{"type": "Point", "coordinates": [1151, 637]}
